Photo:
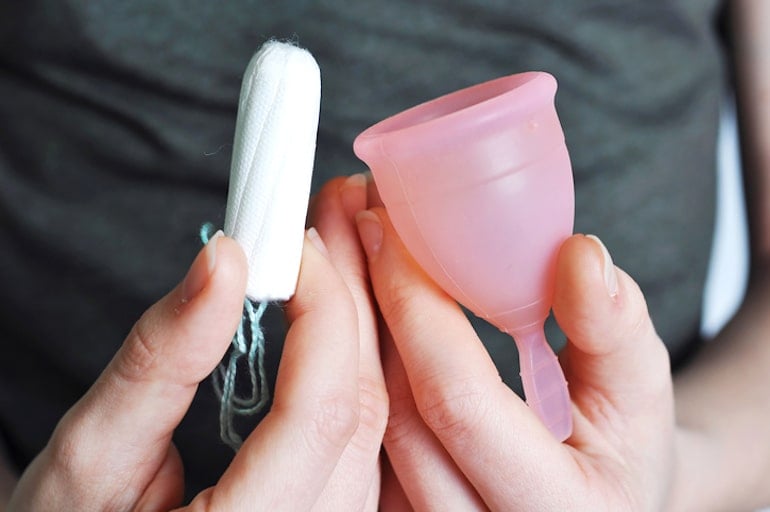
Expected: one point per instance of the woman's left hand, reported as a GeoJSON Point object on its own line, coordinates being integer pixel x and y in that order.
{"type": "Point", "coordinates": [459, 438]}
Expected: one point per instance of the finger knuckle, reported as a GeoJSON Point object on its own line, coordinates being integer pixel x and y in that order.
{"type": "Point", "coordinates": [398, 299]}
{"type": "Point", "coordinates": [139, 354]}
{"type": "Point", "coordinates": [204, 502]}
{"type": "Point", "coordinates": [400, 302]}
{"type": "Point", "coordinates": [331, 422]}
{"type": "Point", "coordinates": [373, 410]}
{"type": "Point", "coordinates": [451, 411]}
{"type": "Point", "coordinates": [403, 422]}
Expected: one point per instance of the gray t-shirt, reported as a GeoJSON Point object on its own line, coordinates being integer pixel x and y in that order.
{"type": "Point", "coordinates": [117, 119]}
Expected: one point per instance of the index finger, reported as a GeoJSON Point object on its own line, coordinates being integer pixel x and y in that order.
{"type": "Point", "coordinates": [497, 442]}
{"type": "Point", "coordinates": [292, 452]}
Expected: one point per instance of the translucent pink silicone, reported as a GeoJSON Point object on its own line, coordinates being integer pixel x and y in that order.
{"type": "Point", "coordinates": [478, 184]}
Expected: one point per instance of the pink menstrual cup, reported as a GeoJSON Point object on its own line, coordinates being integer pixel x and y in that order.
{"type": "Point", "coordinates": [478, 184]}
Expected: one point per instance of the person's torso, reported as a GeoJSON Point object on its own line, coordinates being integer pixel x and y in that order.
{"type": "Point", "coordinates": [118, 120]}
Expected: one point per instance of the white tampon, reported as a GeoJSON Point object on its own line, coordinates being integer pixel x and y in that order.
{"type": "Point", "coordinates": [273, 153]}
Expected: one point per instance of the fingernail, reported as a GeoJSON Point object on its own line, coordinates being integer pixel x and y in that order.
{"type": "Point", "coordinates": [369, 231]}
{"type": "Point", "coordinates": [353, 194]}
{"type": "Point", "coordinates": [610, 274]}
{"type": "Point", "coordinates": [201, 269]}
{"type": "Point", "coordinates": [317, 241]}
{"type": "Point", "coordinates": [211, 250]}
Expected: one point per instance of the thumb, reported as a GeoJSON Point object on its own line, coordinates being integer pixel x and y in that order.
{"type": "Point", "coordinates": [121, 429]}
{"type": "Point", "coordinates": [614, 349]}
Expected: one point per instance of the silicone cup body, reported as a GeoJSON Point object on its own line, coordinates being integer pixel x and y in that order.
{"type": "Point", "coordinates": [478, 184]}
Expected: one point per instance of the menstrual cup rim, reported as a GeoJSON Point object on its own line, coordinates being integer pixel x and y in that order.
{"type": "Point", "coordinates": [522, 82]}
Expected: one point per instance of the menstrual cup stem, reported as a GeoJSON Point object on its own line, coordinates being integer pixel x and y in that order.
{"type": "Point", "coordinates": [543, 379]}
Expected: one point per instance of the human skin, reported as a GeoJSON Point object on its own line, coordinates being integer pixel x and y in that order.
{"type": "Point", "coordinates": [459, 438]}
{"type": "Point", "coordinates": [715, 450]}
{"type": "Point", "coordinates": [317, 448]}
{"type": "Point", "coordinates": [711, 454]}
